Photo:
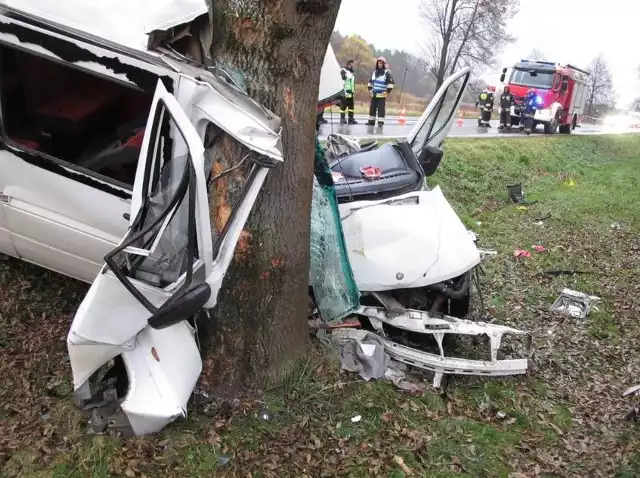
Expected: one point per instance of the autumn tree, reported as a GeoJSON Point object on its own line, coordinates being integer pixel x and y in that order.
{"type": "Point", "coordinates": [356, 48]}
{"type": "Point", "coordinates": [600, 93]}
{"type": "Point", "coordinates": [274, 49]}
{"type": "Point", "coordinates": [465, 33]}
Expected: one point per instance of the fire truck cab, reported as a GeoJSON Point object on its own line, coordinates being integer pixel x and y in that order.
{"type": "Point", "coordinates": [562, 93]}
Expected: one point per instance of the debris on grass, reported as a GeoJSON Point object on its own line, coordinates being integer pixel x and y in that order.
{"type": "Point", "coordinates": [520, 253]}
{"type": "Point", "coordinates": [516, 196]}
{"type": "Point", "coordinates": [557, 273]}
{"type": "Point", "coordinates": [365, 356]}
{"type": "Point", "coordinates": [574, 304]}
{"type": "Point", "coordinates": [356, 419]}
{"type": "Point", "coordinates": [538, 248]}
{"type": "Point", "coordinates": [407, 471]}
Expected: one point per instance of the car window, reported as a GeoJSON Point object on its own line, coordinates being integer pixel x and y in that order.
{"type": "Point", "coordinates": [66, 115]}
{"type": "Point", "coordinates": [440, 115]}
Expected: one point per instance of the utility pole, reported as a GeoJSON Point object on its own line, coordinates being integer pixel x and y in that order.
{"type": "Point", "coordinates": [402, 87]}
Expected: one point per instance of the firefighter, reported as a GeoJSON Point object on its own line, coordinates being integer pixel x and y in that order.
{"type": "Point", "coordinates": [506, 102]}
{"type": "Point", "coordinates": [380, 85]}
{"type": "Point", "coordinates": [529, 107]}
{"type": "Point", "coordinates": [484, 104]}
{"type": "Point", "coordinates": [349, 84]}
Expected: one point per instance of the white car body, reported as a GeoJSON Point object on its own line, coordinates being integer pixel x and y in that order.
{"type": "Point", "coordinates": [68, 218]}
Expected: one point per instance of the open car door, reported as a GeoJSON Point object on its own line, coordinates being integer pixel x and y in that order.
{"type": "Point", "coordinates": [433, 126]}
{"type": "Point", "coordinates": [131, 330]}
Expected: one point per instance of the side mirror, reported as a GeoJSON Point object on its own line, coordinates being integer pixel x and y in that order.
{"type": "Point", "coordinates": [504, 70]}
{"type": "Point", "coordinates": [181, 306]}
{"type": "Point", "coordinates": [429, 159]}
{"type": "Point", "coordinates": [502, 78]}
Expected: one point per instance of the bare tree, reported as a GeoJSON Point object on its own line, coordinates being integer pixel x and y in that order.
{"type": "Point", "coordinates": [537, 54]}
{"type": "Point", "coordinates": [600, 93]}
{"type": "Point", "coordinates": [274, 48]}
{"type": "Point", "coordinates": [465, 33]}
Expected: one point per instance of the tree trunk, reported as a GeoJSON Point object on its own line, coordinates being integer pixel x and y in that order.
{"type": "Point", "coordinates": [465, 38]}
{"type": "Point", "coordinates": [446, 42]}
{"type": "Point", "coordinates": [259, 327]}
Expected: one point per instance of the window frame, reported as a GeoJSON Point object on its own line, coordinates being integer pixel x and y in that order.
{"type": "Point", "coordinates": [185, 190]}
{"type": "Point", "coordinates": [72, 168]}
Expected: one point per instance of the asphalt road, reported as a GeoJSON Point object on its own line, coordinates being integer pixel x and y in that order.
{"type": "Point", "coordinates": [469, 129]}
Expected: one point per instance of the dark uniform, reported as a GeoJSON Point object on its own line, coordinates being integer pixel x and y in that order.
{"type": "Point", "coordinates": [380, 85]}
{"type": "Point", "coordinates": [349, 86]}
{"type": "Point", "coordinates": [530, 106]}
{"type": "Point", "coordinates": [506, 102]}
{"type": "Point", "coordinates": [485, 105]}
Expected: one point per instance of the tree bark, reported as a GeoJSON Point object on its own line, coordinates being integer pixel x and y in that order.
{"type": "Point", "coordinates": [259, 327]}
{"type": "Point", "coordinates": [446, 41]}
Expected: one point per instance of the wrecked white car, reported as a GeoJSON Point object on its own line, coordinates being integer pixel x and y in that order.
{"type": "Point", "coordinates": [105, 179]}
{"type": "Point", "coordinates": [103, 159]}
{"type": "Point", "coordinates": [396, 254]}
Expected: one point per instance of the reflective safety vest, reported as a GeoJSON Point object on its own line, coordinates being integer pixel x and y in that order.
{"type": "Point", "coordinates": [380, 84]}
{"type": "Point", "coordinates": [349, 82]}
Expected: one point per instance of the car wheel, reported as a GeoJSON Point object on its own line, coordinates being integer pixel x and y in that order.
{"type": "Point", "coordinates": [565, 129]}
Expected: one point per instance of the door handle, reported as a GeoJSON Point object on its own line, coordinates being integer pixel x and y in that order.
{"type": "Point", "coordinates": [127, 216]}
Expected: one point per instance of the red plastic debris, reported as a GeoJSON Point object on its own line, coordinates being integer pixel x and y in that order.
{"type": "Point", "coordinates": [371, 172]}
{"type": "Point", "coordinates": [521, 253]}
{"type": "Point", "coordinates": [538, 248]}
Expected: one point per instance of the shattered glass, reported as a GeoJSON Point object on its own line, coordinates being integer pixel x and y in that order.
{"type": "Point", "coordinates": [330, 273]}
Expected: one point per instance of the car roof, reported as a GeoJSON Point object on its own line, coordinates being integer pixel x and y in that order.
{"type": "Point", "coordinates": [123, 22]}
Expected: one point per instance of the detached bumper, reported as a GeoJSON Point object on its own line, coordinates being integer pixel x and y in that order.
{"type": "Point", "coordinates": [438, 326]}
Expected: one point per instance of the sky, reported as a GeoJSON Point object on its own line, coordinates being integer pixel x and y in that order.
{"type": "Point", "coordinates": [585, 28]}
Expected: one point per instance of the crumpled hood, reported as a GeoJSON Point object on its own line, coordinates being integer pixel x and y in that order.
{"type": "Point", "coordinates": [124, 22]}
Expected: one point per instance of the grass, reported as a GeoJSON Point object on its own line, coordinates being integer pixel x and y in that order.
{"type": "Point", "coordinates": [564, 418]}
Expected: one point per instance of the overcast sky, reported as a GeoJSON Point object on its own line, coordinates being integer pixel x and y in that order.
{"type": "Point", "coordinates": [585, 28]}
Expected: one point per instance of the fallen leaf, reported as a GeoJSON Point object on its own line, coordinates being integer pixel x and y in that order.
{"type": "Point", "coordinates": [402, 465]}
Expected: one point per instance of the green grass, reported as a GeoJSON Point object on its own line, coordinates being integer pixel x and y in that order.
{"type": "Point", "coordinates": [564, 418]}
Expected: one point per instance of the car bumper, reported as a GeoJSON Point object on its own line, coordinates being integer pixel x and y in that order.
{"type": "Point", "coordinates": [439, 326]}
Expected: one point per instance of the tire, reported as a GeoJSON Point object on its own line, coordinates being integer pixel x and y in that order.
{"type": "Point", "coordinates": [565, 129]}
{"type": "Point", "coordinates": [551, 127]}
{"type": "Point", "coordinates": [515, 120]}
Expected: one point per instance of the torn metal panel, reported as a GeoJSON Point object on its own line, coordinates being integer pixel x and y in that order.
{"type": "Point", "coordinates": [123, 22]}
{"type": "Point", "coordinates": [99, 58]}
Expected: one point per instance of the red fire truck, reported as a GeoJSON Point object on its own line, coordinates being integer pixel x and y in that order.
{"type": "Point", "coordinates": [562, 93]}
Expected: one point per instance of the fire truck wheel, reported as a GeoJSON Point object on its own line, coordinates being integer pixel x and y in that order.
{"type": "Point", "coordinates": [565, 129]}
{"type": "Point", "coordinates": [551, 127]}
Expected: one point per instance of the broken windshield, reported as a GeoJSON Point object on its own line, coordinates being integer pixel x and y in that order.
{"type": "Point", "coordinates": [539, 79]}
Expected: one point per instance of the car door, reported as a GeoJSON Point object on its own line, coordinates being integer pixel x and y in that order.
{"type": "Point", "coordinates": [433, 126]}
{"type": "Point", "coordinates": [6, 243]}
{"type": "Point", "coordinates": [135, 307]}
